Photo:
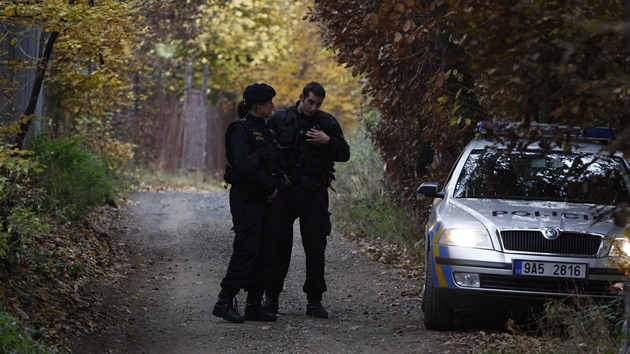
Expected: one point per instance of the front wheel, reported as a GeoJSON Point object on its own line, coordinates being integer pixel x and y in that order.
{"type": "Point", "coordinates": [437, 317]}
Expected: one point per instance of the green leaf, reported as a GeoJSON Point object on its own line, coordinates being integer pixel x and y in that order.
{"type": "Point", "coordinates": [459, 92]}
{"type": "Point", "coordinates": [455, 108]}
{"type": "Point", "coordinates": [454, 121]}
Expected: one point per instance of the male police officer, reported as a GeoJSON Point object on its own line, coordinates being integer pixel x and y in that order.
{"type": "Point", "coordinates": [310, 141]}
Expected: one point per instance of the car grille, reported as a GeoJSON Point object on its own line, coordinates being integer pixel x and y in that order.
{"type": "Point", "coordinates": [568, 243]}
{"type": "Point", "coordinates": [560, 286]}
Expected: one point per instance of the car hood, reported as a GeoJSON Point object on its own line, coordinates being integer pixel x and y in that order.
{"type": "Point", "coordinates": [505, 214]}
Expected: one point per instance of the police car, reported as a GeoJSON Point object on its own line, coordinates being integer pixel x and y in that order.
{"type": "Point", "coordinates": [512, 227]}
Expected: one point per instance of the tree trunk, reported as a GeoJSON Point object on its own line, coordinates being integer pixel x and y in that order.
{"type": "Point", "coordinates": [39, 80]}
{"type": "Point", "coordinates": [626, 20]}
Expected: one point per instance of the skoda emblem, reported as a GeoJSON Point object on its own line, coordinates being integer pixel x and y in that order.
{"type": "Point", "coordinates": [550, 233]}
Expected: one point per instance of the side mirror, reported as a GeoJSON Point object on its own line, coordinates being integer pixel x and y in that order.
{"type": "Point", "coordinates": [430, 190]}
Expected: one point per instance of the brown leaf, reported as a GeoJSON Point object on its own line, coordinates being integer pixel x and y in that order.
{"type": "Point", "coordinates": [23, 315]}
{"type": "Point", "coordinates": [366, 19]}
{"type": "Point", "coordinates": [407, 25]}
{"type": "Point", "coordinates": [374, 18]}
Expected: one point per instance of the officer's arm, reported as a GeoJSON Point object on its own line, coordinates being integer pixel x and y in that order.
{"type": "Point", "coordinates": [337, 147]}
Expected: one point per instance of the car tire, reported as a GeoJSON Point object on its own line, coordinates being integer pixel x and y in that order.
{"type": "Point", "coordinates": [437, 317]}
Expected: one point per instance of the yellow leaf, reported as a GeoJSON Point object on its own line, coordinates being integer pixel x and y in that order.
{"type": "Point", "coordinates": [8, 11]}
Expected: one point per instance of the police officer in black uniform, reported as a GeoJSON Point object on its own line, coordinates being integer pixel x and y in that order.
{"type": "Point", "coordinates": [310, 141]}
{"type": "Point", "coordinates": [255, 179]}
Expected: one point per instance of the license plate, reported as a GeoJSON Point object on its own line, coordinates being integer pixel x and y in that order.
{"type": "Point", "coordinates": [550, 269]}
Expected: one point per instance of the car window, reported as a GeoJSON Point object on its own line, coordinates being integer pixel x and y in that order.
{"type": "Point", "coordinates": [540, 175]}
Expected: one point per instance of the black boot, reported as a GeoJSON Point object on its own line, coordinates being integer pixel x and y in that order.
{"type": "Point", "coordinates": [271, 302]}
{"type": "Point", "coordinates": [314, 307]}
{"type": "Point", "coordinates": [227, 308]}
{"type": "Point", "coordinates": [254, 310]}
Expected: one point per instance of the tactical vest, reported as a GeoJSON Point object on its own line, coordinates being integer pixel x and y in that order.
{"type": "Point", "coordinates": [300, 158]}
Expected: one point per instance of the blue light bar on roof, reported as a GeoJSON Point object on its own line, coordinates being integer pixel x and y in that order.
{"type": "Point", "coordinates": [480, 126]}
{"type": "Point", "coordinates": [599, 133]}
{"type": "Point", "coordinates": [595, 133]}
{"type": "Point", "coordinates": [497, 127]}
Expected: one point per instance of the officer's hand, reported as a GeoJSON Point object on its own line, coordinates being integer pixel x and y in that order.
{"type": "Point", "coordinates": [272, 195]}
{"type": "Point", "coordinates": [316, 136]}
{"type": "Point", "coordinates": [287, 181]}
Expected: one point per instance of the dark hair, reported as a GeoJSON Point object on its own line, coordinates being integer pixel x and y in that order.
{"type": "Point", "coordinates": [243, 108]}
{"type": "Point", "coordinates": [315, 88]}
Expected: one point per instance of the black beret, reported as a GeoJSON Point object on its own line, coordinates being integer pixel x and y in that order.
{"type": "Point", "coordinates": [257, 93]}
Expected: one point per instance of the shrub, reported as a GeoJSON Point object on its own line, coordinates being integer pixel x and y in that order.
{"type": "Point", "coordinates": [18, 199]}
{"type": "Point", "coordinates": [73, 176]}
{"type": "Point", "coordinates": [15, 340]}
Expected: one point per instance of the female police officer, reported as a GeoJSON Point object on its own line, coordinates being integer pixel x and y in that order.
{"type": "Point", "coordinates": [253, 173]}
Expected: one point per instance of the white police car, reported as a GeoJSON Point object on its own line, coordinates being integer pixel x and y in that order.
{"type": "Point", "coordinates": [512, 227]}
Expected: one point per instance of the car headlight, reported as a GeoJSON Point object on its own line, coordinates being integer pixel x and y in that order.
{"type": "Point", "coordinates": [621, 248]}
{"type": "Point", "coordinates": [472, 238]}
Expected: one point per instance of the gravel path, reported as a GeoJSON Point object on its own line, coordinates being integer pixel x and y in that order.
{"type": "Point", "coordinates": [182, 244]}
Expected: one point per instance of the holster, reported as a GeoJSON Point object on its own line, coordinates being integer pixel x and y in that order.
{"type": "Point", "coordinates": [308, 183]}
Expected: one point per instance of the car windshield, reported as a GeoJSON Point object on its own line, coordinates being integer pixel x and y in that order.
{"type": "Point", "coordinates": [540, 175]}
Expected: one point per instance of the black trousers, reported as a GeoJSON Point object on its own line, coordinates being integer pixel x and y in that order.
{"type": "Point", "coordinates": [311, 207]}
{"type": "Point", "coordinates": [254, 242]}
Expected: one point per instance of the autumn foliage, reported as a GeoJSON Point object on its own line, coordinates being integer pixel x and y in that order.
{"type": "Point", "coordinates": [402, 50]}
{"type": "Point", "coordinates": [435, 68]}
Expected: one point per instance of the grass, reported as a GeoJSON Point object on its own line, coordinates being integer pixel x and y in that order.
{"type": "Point", "coordinates": [362, 205]}
{"type": "Point", "coordinates": [159, 180]}
{"type": "Point", "coordinates": [366, 213]}
{"type": "Point", "coordinates": [582, 325]}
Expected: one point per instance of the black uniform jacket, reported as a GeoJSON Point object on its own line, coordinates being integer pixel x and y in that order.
{"type": "Point", "coordinates": [300, 157]}
{"type": "Point", "coordinates": [253, 165]}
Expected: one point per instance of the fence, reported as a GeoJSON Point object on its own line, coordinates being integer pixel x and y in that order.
{"type": "Point", "coordinates": [204, 125]}
{"type": "Point", "coordinates": [23, 45]}
{"type": "Point", "coordinates": [189, 134]}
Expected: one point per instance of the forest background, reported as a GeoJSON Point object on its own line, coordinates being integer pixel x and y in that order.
{"type": "Point", "coordinates": [417, 75]}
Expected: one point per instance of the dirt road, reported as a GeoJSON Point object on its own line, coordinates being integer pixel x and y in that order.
{"type": "Point", "coordinates": [183, 243]}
